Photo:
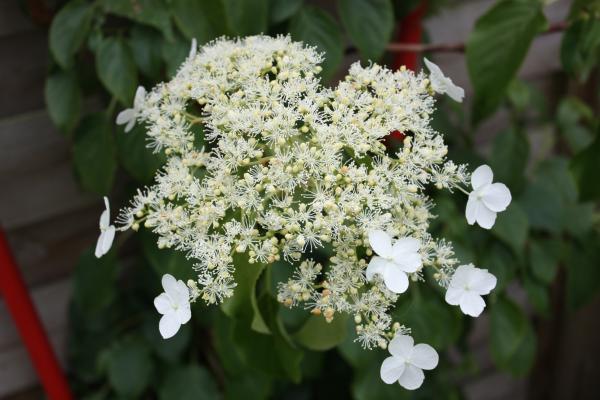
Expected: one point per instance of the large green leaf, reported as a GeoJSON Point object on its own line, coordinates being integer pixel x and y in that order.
{"type": "Point", "coordinates": [191, 382]}
{"type": "Point", "coordinates": [544, 255]}
{"type": "Point", "coordinates": [153, 13]}
{"type": "Point", "coordinates": [244, 304]}
{"type": "Point", "coordinates": [497, 47]}
{"type": "Point", "coordinates": [584, 167]}
{"type": "Point", "coordinates": [280, 10]}
{"type": "Point", "coordinates": [509, 158]}
{"type": "Point", "coordinates": [94, 280]}
{"type": "Point", "coordinates": [69, 30]}
{"type": "Point", "coordinates": [512, 227]}
{"type": "Point", "coordinates": [165, 261]}
{"type": "Point", "coordinates": [247, 17]}
{"type": "Point", "coordinates": [202, 20]}
{"type": "Point", "coordinates": [572, 117]}
{"type": "Point", "coordinates": [116, 69]}
{"type": "Point", "coordinates": [129, 367]}
{"type": "Point", "coordinates": [369, 24]}
{"type": "Point", "coordinates": [318, 334]}
{"type": "Point", "coordinates": [317, 28]}
{"type": "Point", "coordinates": [146, 52]}
{"type": "Point", "coordinates": [63, 99]}
{"type": "Point", "coordinates": [139, 161]}
{"type": "Point", "coordinates": [513, 339]}
{"type": "Point", "coordinates": [580, 47]}
{"type": "Point", "coordinates": [94, 155]}
{"type": "Point", "coordinates": [583, 273]}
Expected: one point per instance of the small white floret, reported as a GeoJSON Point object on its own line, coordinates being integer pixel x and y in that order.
{"type": "Point", "coordinates": [107, 232]}
{"type": "Point", "coordinates": [128, 116]}
{"type": "Point", "coordinates": [442, 84]}
{"type": "Point", "coordinates": [487, 198]}
{"type": "Point", "coordinates": [174, 305]}
{"type": "Point", "coordinates": [393, 261]}
{"type": "Point", "coordinates": [407, 362]}
{"type": "Point", "coordinates": [467, 286]}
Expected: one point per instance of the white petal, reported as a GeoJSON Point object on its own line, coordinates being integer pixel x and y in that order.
{"type": "Point", "coordinates": [181, 294]}
{"type": "Point", "coordinates": [462, 275]}
{"type": "Point", "coordinates": [395, 279]}
{"type": "Point", "coordinates": [140, 93]}
{"type": "Point", "coordinates": [125, 116]}
{"type": "Point", "coordinates": [162, 303]}
{"type": "Point", "coordinates": [409, 262]}
{"type": "Point", "coordinates": [169, 284]}
{"type": "Point", "coordinates": [104, 220]}
{"type": "Point", "coordinates": [496, 197]}
{"type": "Point", "coordinates": [453, 295]}
{"type": "Point", "coordinates": [381, 243]}
{"type": "Point", "coordinates": [424, 356]}
{"type": "Point", "coordinates": [485, 217]}
{"type": "Point", "coordinates": [401, 346]}
{"type": "Point", "coordinates": [391, 369]}
{"type": "Point", "coordinates": [98, 252]}
{"type": "Point", "coordinates": [483, 175]}
{"type": "Point", "coordinates": [376, 266]}
{"type": "Point", "coordinates": [455, 92]}
{"type": "Point", "coordinates": [482, 282]}
{"type": "Point", "coordinates": [183, 314]}
{"type": "Point", "coordinates": [472, 304]}
{"type": "Point", "coordinates": [193, 48]}
{"type": "Point", "coordinates": [406, 245]}
{"type": "Point", "coordinates": [412, 378]}
{"type": "Point", "coordinates": [129, 125]}
{"type": "Point", "coordinates": [107, 239]}
{"type": "Point", "coordinates": [471, 211]}
{"type": "Point", "coordinates": [168, 325]}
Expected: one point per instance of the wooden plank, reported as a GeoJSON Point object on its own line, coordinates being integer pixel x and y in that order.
{"type": "Point", "coordinates": [23, 72]}
{"type": "Point", "coordinates": [16, 371]}
{"type": "Point", "coordinates": [30, 141]}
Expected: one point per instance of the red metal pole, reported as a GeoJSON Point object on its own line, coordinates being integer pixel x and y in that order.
{"type": "Point", "coordinates": [30, 328]}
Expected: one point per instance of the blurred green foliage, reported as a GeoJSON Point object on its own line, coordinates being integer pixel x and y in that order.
{"type": "Point", "coordinates": [251, 347]}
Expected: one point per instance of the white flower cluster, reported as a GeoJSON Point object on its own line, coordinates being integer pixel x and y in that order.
{"type": "Point", "coordinates": [288, 167]}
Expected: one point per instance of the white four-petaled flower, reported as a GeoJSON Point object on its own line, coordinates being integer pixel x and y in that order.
{"type": "Point", "coordinates": [393, 261]}
{"type": "Point", "coordinates": [407, 362]}
{"type": "Point", "coordinates": [442, 84]}
{"type": "Point", "coordinates": [129, 115]}
{"type": "Point", "coordinates": [174, 305]}
{"type": "Point", "coordinates": [467, 286]}
{"type": "Point", "coordinates": [486, 199]}
{"type": "Point", "coordinates": [107, 232]}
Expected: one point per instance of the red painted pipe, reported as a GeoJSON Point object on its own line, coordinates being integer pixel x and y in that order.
{"type": "Point", "coordinates": [32, 333]}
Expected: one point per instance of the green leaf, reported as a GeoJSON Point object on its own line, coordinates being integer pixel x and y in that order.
{"type": "Point", "coordinates": [137, 159]}
{"type": "Point", "coordinates": [501, 262]}
{"type": "Point", "coordinates": [191, 382]}
{"type": "Point", "coordinates": [318, 334]}
{"type": "Point", "coordinates": [116, 69]}
{"type": "Point", "coordinates": [94, 155]}
{"type": "Point", "coordinates": [497, 47]}
{"type": "Point", "coordinates": [570, 118]}
{"type": "Point", "coordinates": [584, 167]}
{"type": "Point", "coordinates": [544, 255]}
{"type": "Point", "coordinates": [129, 367]}
{"type": "Point", "coordinates": [153, 13]}
{"type": "Point", "coordinates": [174, 52]}
{"type": "Point", "coordinates": [94, 287]}
{"type": "Point", "coordinates": [165, 261]}
{"type": "Point", "coordinates": [512, 227]}
{"type": "Point", "coordinates": [513, 339]}
{"type": "Point", "coordinates": [244, 303]}
{"type": "Point", "coordinates": [202, 20]}
{"type": "Point", "coordinates": [146, 53]}
{"type": "Point", "coordinates": [369, 24]}
{"type": "Point", "coordinates": [317, 28]}
{"type": "Point", "coordinates": [509, 158]}
{"type": "Point", "coordinates": [63, 99]}
{"type": "Point", "coordinates": [583, 273]}
{"type": "Point", "coordinates": [537, 294]}
{"type": "Point", "coordinates": [68, 31]}
{"type": "Point", "coordinates": [280, 10]}
{"type": "Point", "coordinates": [367, 385]}
{"type": "Point", "coordinates": [247, 17]}
{"type": "Point", "coordinates": [580, 47]}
